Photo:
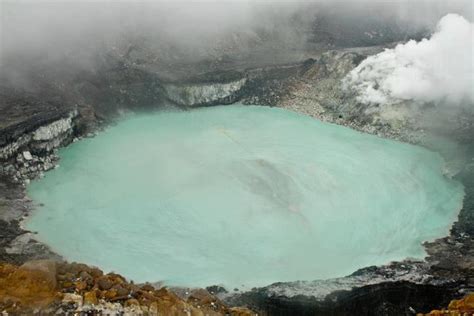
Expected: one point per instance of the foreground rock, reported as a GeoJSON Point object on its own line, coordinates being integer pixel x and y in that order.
{"type": "Point", "coordinates": [461, 307]}
{"type": "Point", "coordinates": [51, 287]}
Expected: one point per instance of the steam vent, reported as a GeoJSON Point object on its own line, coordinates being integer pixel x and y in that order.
{"type": "Point", "coordinates": [237, 157]}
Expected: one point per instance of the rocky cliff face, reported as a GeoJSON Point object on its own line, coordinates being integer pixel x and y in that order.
{"type": "Point", "coordinates": [261, 85]}
{"type": "Point", "coordinates": [193, 95]}
{"type": "Point", "coordinates": [28, 147]}
{"type": "Point", "coordinates": [35, 152]}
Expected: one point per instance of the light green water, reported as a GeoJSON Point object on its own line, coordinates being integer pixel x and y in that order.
{"type": "Point", "coordinates": [241, 196]}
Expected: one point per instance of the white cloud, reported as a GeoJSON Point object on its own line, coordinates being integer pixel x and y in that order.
{"type": "Point", "coordinates": [438, 70]}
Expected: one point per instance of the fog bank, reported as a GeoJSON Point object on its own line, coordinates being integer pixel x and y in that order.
{"type": "Point", "coordinates": [439, 70]}
{"type": "Point", "coordinates": [56, 30]}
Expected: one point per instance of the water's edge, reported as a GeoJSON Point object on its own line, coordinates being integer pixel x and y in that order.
{"type": "Point", "coordinates": [240, 111]}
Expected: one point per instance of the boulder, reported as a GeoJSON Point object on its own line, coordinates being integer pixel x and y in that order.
{"type": "Point", "coordinates": [73, 298]}
{"type": "Point", "coordinates": [30, 286]}
{"type": "Point", "coordinates": [132, 302]}
{"type": "Point", "coordinates": [90, 298]}
{"type": "Point", "coordinates": [45, 267]}
{"type": "Point", "coordinates": [202, 297]}
{"type": "Point", "coordinates": [104, 283]}
{"type": "Point", "coordinates": [27, 155]}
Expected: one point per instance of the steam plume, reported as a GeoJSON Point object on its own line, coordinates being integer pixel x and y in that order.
{"type": "Point", "coordinates": [437, 70]}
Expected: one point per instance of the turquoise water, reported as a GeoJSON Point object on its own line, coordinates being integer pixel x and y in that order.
{"type": "Point", "coordinates": [241, 196]}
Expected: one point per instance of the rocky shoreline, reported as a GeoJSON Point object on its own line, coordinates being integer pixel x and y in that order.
{"type": "Point", "coordinates": [35, 127]}
{"type": "Point", "coordinates": [49, 287]}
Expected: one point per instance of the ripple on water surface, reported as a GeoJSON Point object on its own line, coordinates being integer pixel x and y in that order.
{"type": "Point", "coordinates": [241, 196]}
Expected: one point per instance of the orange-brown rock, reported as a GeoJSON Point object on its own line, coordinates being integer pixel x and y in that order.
{"type": "Point", "coordinates": [110, 294]}
{"type": "Point", "coordinates": [241, 311]}
{"type": "Point", "coordinates": [132, 302]}
{"type": "Point", "coordinates": [73, 298]}
{"type": "Point", "coordinates": [47, 286]}
{"type": "Point", "coordinates": [80, 285]}
{"type": "Point", "coordinates": [104, 283]}
{"type": "Point", "coordinates": [464, 306]}
{"type": "Point", "coordinates": [90, 298]}
{"type": "Point", "coordinates": [27, 286]}
{"type": "Point", "coordinates": [121, 289]}
{"type": "Point", "coordinates": [202, 296]}
{"type": "Point", "coordinates": [46, 267]}
{"type": "Point", "coordinates": [76, 270]}
{"type": "Point", "coordinates": [116, 278]}
{"type": "Point", "coordinates": [203, 299]}
{"type": "Point", "coordinates": [147, 287]}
